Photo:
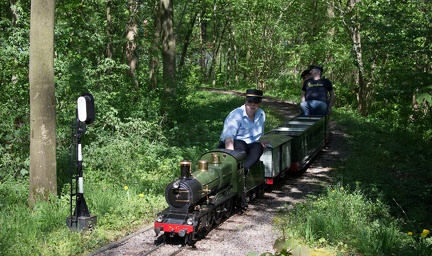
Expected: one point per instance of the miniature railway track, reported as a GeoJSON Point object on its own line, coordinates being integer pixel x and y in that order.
{"type": "Point", "coordinates": [144, 244]}
{"type": "Point", "coordinates": [162, 249]}
{"type": "Point", "coordinates": [152, 250]}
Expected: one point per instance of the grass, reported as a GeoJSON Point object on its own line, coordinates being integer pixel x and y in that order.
{"type": "Point", "coordinates": [386, 186]}
{"type": "Point", "coordinates": [392, 164]}
{"type": "Point", "coordinates": [379, 203]}
{"type": "Point", "coordinates": [43, 231]}
{"type": "Point", "coordinates": [348, 222]}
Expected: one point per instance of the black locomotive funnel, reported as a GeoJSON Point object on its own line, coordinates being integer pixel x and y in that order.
{"type": "Point", "coordinates": [185, 169]}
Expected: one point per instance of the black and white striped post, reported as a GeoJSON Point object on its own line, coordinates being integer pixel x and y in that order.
{"type": "Point", "coordinates": [80, 218]}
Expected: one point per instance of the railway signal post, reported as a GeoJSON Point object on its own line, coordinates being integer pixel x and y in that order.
{"type": "Point", "coordinates": [80, 218]}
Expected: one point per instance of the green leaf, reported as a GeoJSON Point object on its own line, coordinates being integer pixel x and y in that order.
{"type": "Point", "coordinates": [424, 97]}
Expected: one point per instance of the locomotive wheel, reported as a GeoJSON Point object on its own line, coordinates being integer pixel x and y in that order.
{"type": "Point", "coordinates": [253, 195]}
{"type": "Point", "coordinates": [201, 230]}
{"type": "Point", "coordinates": [188, 240]}
{"type": "Point", "coordinates": [209, 222]}
{"type": "Point", "coordinates": [262, 191]}
{"type": "Point", "coordinates": [219, 214]}
{"type": "Point", "coordinates": [228, 208]}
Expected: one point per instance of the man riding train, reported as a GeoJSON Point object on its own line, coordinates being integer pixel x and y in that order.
{"type": "Point", "coordinates": [317, 93]}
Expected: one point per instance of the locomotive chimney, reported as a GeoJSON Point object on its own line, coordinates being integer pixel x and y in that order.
{"type": "Point", "coordinates": [185, 169]}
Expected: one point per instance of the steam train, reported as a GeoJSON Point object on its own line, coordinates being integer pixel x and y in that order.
{"type": "Point", "coordinates": [207, 192]}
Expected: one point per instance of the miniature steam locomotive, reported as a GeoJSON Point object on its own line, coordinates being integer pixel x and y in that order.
{"type": "Point", "coordinates": [207, 192]}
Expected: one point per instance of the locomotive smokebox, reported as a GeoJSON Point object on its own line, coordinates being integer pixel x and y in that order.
{"type": "Point", "coordinates": [185, 169]}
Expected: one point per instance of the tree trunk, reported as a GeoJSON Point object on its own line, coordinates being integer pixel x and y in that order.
{"type": "Point", "coordinates": [168, 100]}
{"type": "Point", "coordinates": [187, 40]}
{"type": "Point", "coordinates": [154, 51]}
{"type": "Point", "coordinates": [235, 59]}
{"type": "Point", "coordinates": [108, 29]}
{"type": "Point", "coordinates": [364, 93]}
{"type": "Point", "coordinates": [363, 89]}
{"type": "Point", "coordinates": [43, 176]}
{"type": "Point", "coordinates": [14, 18]}
{"type": "Point", "coordinates": [131, 43]}
{"type": "Point", "coordinates": [204, 56]}
{"type": "Point", "coordinates": [213, 56]}
{"type": "Point", "coordinates": [168, 44]}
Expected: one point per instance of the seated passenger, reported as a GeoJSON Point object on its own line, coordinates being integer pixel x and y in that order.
{"type": "Point", "coordinates": [243, 128]}
{"type": "Point", "coordinates": [317, 94]}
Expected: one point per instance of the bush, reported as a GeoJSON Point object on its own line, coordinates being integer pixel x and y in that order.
{"type": "Point", "coordinates": [348, 221]}
{"type": "Point", "coordinates": [129, 152]}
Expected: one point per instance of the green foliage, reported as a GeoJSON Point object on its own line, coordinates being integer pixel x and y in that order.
{"type": "Point", "coordinates": [131, 151]}
{"type": "Point", "coordinates": [388, 159]}
{"type": "Point", "coordinates": [286, 87]}
{"type": "Point", "coordinates": [387, 210]}
{"type": "Point", "coordinates": [12, 193]}
{"type": "Point", "coordinates": [22, 227]}
{"type": "Point", "coordinates": [290, 247]}
{"type": "Point", "coordinates": [42, 230]}
{"type": "Point", "coordinates": [139, 204]}
{"type": "Point", "coordinates": [425, 96]}
{"type": "Point", "coordinates": [14, 108]}
{"type": "Point", "coordinates": [348, 221]}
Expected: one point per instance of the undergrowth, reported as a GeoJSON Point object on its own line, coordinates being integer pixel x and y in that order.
{"type": "Point", "coordinates": [380, 202]}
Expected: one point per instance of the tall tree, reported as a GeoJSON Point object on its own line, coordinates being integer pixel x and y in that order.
{"type": "Point", "coordinates": [109, 53]}
{"type": "Point", "coordinates": [131, 44]}
{"type": "Point", "coordinates": [43, 177]}
{"type": "Point", "coordinates": [351, 17]}
{"type": "Point", "coordinates": [168, 55]}
{"type": "Point", "coordinates": [168, 41]}
{"type": "Point", "coordinates": [154, 60]}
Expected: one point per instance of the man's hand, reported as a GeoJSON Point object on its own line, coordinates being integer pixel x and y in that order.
{"type": "Point", "coordinates": [229, 143]}
{"type": "Point", "coordinates": [266, 144]}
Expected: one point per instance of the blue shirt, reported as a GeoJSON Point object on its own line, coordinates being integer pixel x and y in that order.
{"type": "Point", "coordinates": [238, 126]}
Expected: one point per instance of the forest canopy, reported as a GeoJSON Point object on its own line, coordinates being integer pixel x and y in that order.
{"type": "Point", "coordinates": [141, 59]}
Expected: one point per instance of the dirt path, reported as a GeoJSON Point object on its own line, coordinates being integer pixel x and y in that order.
{"type": "Point", "coordinates": [253, 231]}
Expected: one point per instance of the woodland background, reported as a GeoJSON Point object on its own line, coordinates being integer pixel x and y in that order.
{"type": "Point", "coordinates": [377, 53]}
{"type": "Point", "coordinates": [143, 61]}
